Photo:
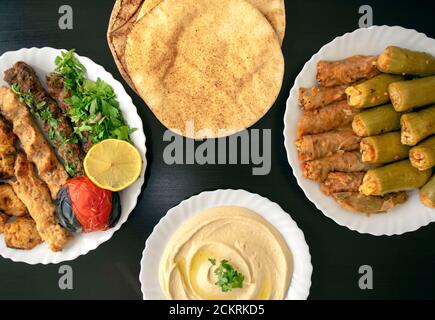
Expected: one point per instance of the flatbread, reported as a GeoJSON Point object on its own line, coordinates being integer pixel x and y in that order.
{"type": "Point", "coordinates": [210, 64]}
{"type": "Point", "coordinates": [125, 13]}
{"type": "Point", "coordinates": [122, 11]}
{"type": "Point", "coordinates": [146, 7]}
{"type": "Point", "coordinates": [121, 22]}
{"type": "Point", "coordinates": [273, 10]}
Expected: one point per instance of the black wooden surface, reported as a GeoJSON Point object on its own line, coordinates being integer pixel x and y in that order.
{"type": "Point", "coordinates": [403, 265]}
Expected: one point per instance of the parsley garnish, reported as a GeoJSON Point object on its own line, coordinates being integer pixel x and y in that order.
{"type": "Point", "coordinates": [39, 109]}
{"type": "Point", "coordinates": [51, 133]}
{"type": "Point", "coordinates": [71, 69]}
{"type": "Point", "coordinates": [228, 278]}
{"type": "Point", "coordinates": [94, 108]}
{"type": "Point", "coordinates": [41, 104]}
{"type": "Point", "coordinates": [24, 97]}
{"type": "Point", "coordinates": [70, 168]}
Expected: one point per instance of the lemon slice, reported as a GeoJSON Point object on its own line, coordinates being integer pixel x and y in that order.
{"type": "Point", "coordinates": [113, 164]}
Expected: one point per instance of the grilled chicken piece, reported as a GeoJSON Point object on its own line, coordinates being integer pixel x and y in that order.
{"type": "Point", "coordinates": [33, 142]}
{"type": "Point", "coordinates": [22, 234]}
{"type": "Point", "coordinates": [10, 204]}
{"type": "Point", "coordinates": [7, 150]}
{"type": "Point", "coordinates": [3, 219]}
{"type": "Point", "coordinates": [55, 124]}
{"type": "Point", "coordinates": [35, 195]}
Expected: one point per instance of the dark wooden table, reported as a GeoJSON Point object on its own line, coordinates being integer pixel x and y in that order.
{"type": "Point", "coordinates": [403, 265]}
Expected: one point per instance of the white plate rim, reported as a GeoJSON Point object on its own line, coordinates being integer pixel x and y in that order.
{"type": "Point", "coordinates": [131, 115]}
{"type": "Point", "coordinates": [330, 211]}
{"type": "Point", "coordinates": [301, 280]}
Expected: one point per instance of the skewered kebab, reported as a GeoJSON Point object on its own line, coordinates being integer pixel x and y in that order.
{"type": "Point", "coordinates": [7, 150]}
{"type": "Point", "coordinates": [56, 88]}
{"type": "Point", "coordinates": [25, 83]}
{"type": "Point", "coordinates": [33, 142]}
{"type": "Point", "coordinates": [35, 195]}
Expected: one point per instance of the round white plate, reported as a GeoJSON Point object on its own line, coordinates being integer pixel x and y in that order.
{"type": "Point", "coordinates": [149, 274]}
{"type": "Point", "coordinates": [371, 41]}
{"type": "Point", "coordinates": [42, 60]}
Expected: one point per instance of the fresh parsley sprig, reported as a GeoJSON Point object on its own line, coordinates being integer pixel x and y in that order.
{"type": "Point", "coordinates": [71, 69]}
{"type": "Point", "coordinates": [38, 108]}
{"type": "Point", "coordinates": [25, 97]}
{"type": "Point", "coordinates": [94, 108]}
{"type": "Point", "coordinates": [228, 277]}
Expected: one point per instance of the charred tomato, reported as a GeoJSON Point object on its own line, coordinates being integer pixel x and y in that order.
{"type": "Point", "coordinates": [81, 206]}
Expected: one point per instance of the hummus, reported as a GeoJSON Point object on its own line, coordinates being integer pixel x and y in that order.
{"type": "Point", "coordinates": [249, 243]}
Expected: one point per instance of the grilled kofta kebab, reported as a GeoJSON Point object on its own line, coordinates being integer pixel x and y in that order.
{"type": "Point", "coordinates": [26, 84]}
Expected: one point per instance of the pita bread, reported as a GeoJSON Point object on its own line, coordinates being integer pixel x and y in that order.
{"type": "Point", "coordinates": [212, 64]}
{"type": "Point", "coordinates": [273, 10]}
{"type": "Point", "coordinates": [126, 12]}
{"type": "Point", "coordinates": [146, 7]}
{"type": "Point", "coordinates": [121, 22]}
{"type": "Point", "coordinates": [122, 11]}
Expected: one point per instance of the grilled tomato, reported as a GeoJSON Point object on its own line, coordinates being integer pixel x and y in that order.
{"type": "Point", "coordinates": [81, 206]}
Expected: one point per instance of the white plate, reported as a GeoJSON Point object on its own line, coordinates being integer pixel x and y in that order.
{"type": "Point", "coordinates": [42, 60]}
{"type": "Point", "coordinates": [372, 41]}
{"type": "Point", "coordinates": [149, 274]}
